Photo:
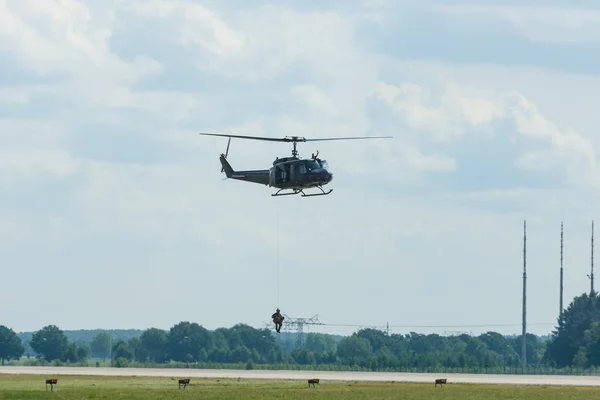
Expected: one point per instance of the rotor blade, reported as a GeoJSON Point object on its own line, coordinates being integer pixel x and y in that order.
{"type": "Point", "coordinates": [291, 138]}
{"type": "Point", "coordinates": [348, 138]}
{"type": "Point", "coordinates": [246, 137]}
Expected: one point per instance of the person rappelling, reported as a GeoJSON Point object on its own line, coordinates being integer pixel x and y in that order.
{"type": "Point", "coordinates": [277, 320]}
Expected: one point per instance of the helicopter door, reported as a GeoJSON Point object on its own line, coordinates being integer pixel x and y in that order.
{"type": "Point", "coordinates": [281, 175]}
{"type": "Point", "coordinates": [294, 172]}
{"type": "Point", "coordinates": [272, 176]}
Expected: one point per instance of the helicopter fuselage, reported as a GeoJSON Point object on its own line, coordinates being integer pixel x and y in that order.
{"type": "Point", "coordinates": [286, 173]}
{"type": "Point", "coordinates": [296, 173]}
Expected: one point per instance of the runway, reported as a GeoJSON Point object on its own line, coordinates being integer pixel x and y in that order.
{"type": "Point", "coordinates": [303, 375]}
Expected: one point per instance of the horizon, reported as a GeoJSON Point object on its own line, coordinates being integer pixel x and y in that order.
{"type": "Point", "coordinates": [114, 212]}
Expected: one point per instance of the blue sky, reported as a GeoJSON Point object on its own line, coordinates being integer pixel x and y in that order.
{"type": "Point", "coordinates": [113, 212]}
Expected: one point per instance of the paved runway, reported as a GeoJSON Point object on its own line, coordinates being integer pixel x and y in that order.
{"type": "Point", "coordinates": [302, 375]}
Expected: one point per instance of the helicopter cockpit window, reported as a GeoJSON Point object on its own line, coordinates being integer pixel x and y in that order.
{"type": "Point", "coordinates": [302, 169]}
{"type": "Point", "coordinates": [312, 165]}
{"type": "Point", "coordinates": [324, 165]}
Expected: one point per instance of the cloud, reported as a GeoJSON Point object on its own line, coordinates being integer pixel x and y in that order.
{"type": "Point", "coordinates": [551, 36]}
{"type": "Point", "coordinates": [198, 25]}
{"type": "Point", "coordinates": [460, 108]}
{"type": "Point", "coordinates": [64, 38]}
{"type": "Point", "coordinates": [465, 110]}
{"type": "Point", "coordinates": [107, 185]}
{"type": "Point", "coordinates": [540, 23]}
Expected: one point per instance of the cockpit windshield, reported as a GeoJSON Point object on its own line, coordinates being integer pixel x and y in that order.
{"type": "Point", "coordinates": [312, 164]}
{"type": "Point", "coordinates": [324, 165]}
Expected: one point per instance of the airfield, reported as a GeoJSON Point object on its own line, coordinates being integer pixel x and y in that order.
{"type": "Point", "coordinates": [491, 379]}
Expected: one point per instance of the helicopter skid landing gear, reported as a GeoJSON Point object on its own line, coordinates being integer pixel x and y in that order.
{"type": "Point", "coordinates": [284, 194]}
{"type": "Point", "coordinates": [296, 191]}
{"type": "Point", "coordinates": [324, 193]}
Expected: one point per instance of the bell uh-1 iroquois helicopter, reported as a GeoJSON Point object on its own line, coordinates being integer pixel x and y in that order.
{"type": "Point", "coordinates": [288, 173]}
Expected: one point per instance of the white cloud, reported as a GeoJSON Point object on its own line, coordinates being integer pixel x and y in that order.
{"type": "Point", "coordinates": [463, 109]}
{"type": "Point", "coordinates": [14, 96]}
{"type": "Point", "coordinates": [196, 25]}
{"type": "Point", "coordinates": [316, 98]}
{"type": "Point", "coordinates": [415, 159]}
{"type": "Point", "coordinates": [460, 107]}
{"type": "Point", "coordinates": [555, 25]}
{"type": "Point", "coordinates": [63, 37]}
{"type": "Point", "coordinates": [544, 23]}
{"type": "Point", "coordinates": [257, 43]}
{"type": "Point", "coordinates": [34, 162]}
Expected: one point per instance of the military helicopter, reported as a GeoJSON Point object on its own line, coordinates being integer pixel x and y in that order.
{"type": "Point", "coordinates": [292, 174]}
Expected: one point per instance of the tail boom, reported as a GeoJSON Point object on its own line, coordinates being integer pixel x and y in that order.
{"type": "Point", "coordinates": [255, 176]}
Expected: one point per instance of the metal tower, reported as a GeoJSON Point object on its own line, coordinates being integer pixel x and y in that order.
{"type": "Point", "coordinates": [561, 272]}
{"type": "Point", "coordinates": [523, 346]}
{"type": "Point", "coordinates": [297, 324]}
{"type": "Point", "coordinates": [591, 276]}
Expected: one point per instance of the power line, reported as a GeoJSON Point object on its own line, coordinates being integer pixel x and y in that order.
{"type": "Point", "coordinates": [436, 326]}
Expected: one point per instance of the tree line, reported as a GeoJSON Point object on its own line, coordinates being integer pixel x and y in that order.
{"type": "Point", "coordinates": [574, 343]}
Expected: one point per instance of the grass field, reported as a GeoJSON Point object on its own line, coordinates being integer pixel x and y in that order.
{"type": "Point", "coordinates": [83, 387]}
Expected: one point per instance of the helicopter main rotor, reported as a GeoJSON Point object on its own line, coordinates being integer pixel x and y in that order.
{"type": "Point", "coordinates": [293, 139]}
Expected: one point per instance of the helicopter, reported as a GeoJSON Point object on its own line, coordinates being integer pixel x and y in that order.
{"type": "Point", "coordinates": [292, 174]}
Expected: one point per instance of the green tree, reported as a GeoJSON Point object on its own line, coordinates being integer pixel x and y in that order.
{"type": "Point", "coordinates": [70, 354]}
{"type": "Point", "coordinates": [575, 331]}
{"type": "Point", "coordinates": [102, 345]}
{"type": "Point", "coordinates": [242, 354]}
{"type": "Point", "coordinates": [83, 352]}
{"type": "Point", "coordinates": [260, 340]}
{"type": "Point", "coordinates": [476, 350]}
{"type": "Point", "coordinates": [320, 342]}
{"type": "Point", "coordinates": [353, 348]}
{"type": "Point", "coordinates": [11, 347]}
{"type": "Point", "coordinates": [135, 344]}
{"type": "Point", "coordinates": [154, 343]}
{"type": "Point", "coordinates": [121, 349]}
{"type": "Point", "coordinates": [219, 339]}
{"type": "Point", "coordinates": [188, 341]}
{"type": "Point", "coordinates": [376, 338]}
{"type": "Point", "coordinates": [384, 358]}
{"type": "Point", "coordinates": [494, 342]}
{"type": "Point", "coordinates": [303, 356]}
{"type": "Point", "coordinates": [533, 347]}
{"type": "Point", "coordinates": [50, 342]}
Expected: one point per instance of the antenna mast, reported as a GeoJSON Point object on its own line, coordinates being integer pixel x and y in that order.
{"type": "Point", "coordinates": [523, 347]}
{"type": "Point", "coordinates": [561, 271]}
{"type": "Point", "coordinates": [592, 262]}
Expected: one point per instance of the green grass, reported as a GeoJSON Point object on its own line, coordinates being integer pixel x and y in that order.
{"type": "Point", "coordinates": [131, 388]}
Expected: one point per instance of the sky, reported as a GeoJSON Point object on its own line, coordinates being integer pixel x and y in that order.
{"type": "Point", "coordinates": [114, 213]}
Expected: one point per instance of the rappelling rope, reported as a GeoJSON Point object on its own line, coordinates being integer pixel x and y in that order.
{"type": "Point", "coordinates": [278, 259]}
